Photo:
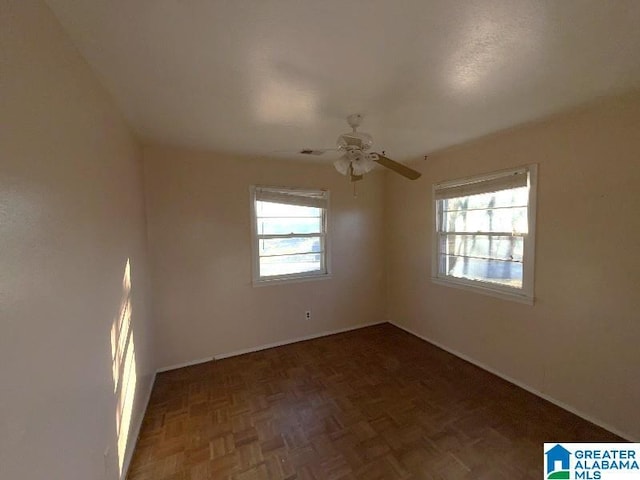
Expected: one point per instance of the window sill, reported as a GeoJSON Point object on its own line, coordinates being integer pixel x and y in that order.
{"type": "Point", "coordinates": [290, 279]}
{"type": "Point", "coordinates": [484, 290]}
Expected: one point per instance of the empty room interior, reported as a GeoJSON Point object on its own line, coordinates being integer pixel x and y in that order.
{"type": "Point", "coordinates": [297, 240]}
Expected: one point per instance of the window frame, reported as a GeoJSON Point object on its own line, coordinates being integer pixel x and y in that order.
{"type": "Point", "coordinates": [325, 241]}
{"type": "Point", "coordinates": [522, 295]}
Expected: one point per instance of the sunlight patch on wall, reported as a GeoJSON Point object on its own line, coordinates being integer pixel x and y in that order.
{"type": "Point", "coordinates": [124, 366]}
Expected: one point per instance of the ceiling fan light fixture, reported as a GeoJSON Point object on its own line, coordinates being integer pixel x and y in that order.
{"type": "Point", "coordinates": [342, 165]}
{"type": "Point", "coordinates": [362, 164]}
{"type": "Point", "coordinates": [355, 161]}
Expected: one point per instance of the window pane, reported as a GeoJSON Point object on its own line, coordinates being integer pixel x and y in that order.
{"type": "Point", "coordinates": [481, 236]}
{"type": "Point", "coordinates": [486, 246]}
{"type": "Point", "coordinates": [512, 219]}
{"type": "Point", "coordinates": [281, 246]}
{"type": "Point", "coordinates": [270, 209]}
{"type": "Point", "coordinates": [270, 226]}
{"type": "Point", "coordinates": [515, 197]}
{"type": "Point", "coordinates": [289, 264]}
{"type": "Point", "coordinates": [492, 271]}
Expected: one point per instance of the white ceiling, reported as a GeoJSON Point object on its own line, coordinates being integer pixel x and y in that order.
{"type": "Point", "coordinates": [260, 76]}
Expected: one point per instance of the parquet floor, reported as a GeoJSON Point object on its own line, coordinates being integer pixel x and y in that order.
{"type": "Point", "coordinates": [374, 403]}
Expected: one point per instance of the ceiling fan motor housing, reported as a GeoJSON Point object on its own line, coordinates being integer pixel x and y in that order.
{"type": "Point", "coordinates": [354, 141]}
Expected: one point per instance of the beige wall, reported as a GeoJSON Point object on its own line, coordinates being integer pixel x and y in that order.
{"type": "Point", "coordinates": [200, 245]}
{"type": "Point", "coordinates": [579, 343]}
{"type": "Point", "coordinates": [71, 214]}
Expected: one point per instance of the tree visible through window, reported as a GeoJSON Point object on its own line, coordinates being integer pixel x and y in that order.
{"type": "Point", "coordinates": [483, 232]}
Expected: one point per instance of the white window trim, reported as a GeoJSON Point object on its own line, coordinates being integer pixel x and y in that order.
{"type": "Point", "coordinates": [524, 295]}
{"type": "Point", "coordinates": [324, 274]}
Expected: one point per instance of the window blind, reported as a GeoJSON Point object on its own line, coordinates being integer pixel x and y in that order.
{"type": "Point", "coordinates": [513, 179]}
{"type": "Point", "coordinates": [306, 198]}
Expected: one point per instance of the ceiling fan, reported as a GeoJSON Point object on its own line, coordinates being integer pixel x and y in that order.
{"type": "Point", "coordinates": [356, 161]}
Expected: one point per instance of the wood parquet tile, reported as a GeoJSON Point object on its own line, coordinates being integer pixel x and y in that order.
{"type": "Point", "coordinates": [374, 403]}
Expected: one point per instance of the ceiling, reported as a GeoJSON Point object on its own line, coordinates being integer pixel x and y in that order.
{"type": "Point", "coordinates": [264, 76]}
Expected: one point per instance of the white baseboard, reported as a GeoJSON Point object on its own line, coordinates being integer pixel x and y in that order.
{"type": "Point", "coordinates": [235, 353]}
{"type": "Point", "coordinates": [294, 340]}
{"type": "Point", "coordinates": [136, 431]}
{"type": "Point", "coordinates": [524, 386]}
{"type": "Point", "coordinates": [184, 364]}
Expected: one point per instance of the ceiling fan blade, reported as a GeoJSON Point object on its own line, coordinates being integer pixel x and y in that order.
{"type": "Point", "coordinates": [403, 170]}
{"type": "Point", "coordinates": [306, 151]}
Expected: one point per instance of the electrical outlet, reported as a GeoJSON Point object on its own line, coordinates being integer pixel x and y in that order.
{"type": "Point", "coordinates": [307, 314]}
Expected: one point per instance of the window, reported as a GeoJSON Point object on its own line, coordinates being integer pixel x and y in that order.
{"type": "Point", "coordinates": [484, 233]}
{"type": "Point", "coordinates": [289, 233]}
